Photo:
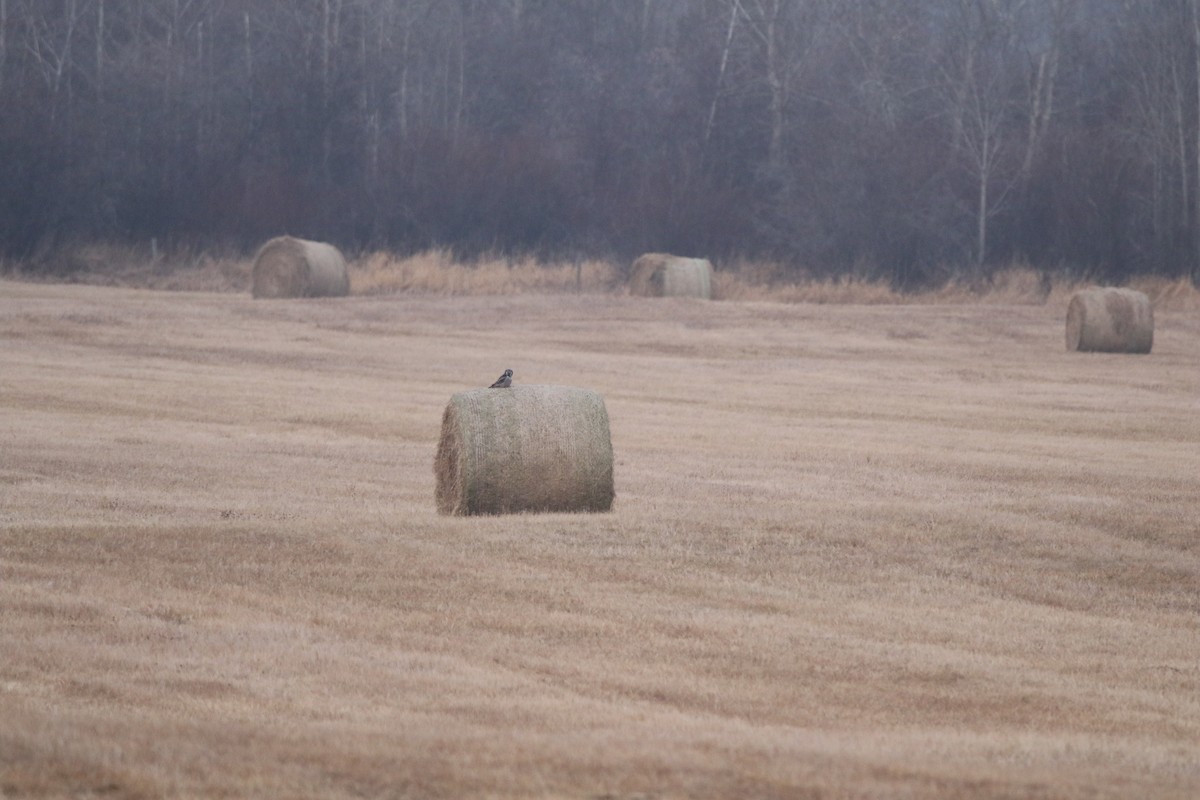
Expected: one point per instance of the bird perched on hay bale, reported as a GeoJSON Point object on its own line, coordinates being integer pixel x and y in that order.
{"type": "Point", "coordinates": [504, 381]}
{"type": "Point", "coordinates": [663, 275]}
{"type": "Point", "coordinates": [532, 448]}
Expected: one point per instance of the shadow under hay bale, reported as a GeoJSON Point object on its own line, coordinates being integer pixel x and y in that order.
{"type": "Point", "coordinates": [1108, 320]}
{"type": "Point", "coordinates": [290, 267]}
{"type": "Point", "coordinates": [662, 275]}
{"type": "Point", "coordinates": [528, 448]}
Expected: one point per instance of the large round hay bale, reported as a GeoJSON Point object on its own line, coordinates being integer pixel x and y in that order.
{"type": "Point", "coordinates": [1110, 320]}
{"type": "Point", "coordinates": [289, 267]}
{"type": "Point", "coordinates": [528, 448]}
{"type": "Point", "coordinates": [662, 275]}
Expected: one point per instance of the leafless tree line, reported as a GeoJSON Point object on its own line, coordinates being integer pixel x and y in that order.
{"type": "Point", "coordinates": [902, 140]}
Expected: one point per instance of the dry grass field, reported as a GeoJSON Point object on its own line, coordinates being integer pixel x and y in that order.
{"type": "Point", "coordinates": [896, 551]}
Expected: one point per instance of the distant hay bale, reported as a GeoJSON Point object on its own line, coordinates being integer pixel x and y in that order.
{"type": "Point", "coordinates": [662, 275]}
{"type": "Point", "coordinates": [289, 267]}
{"type": "Point", "coordinates": [1110, 320]}
{"type": "Point", "coordinates": [528, 448]}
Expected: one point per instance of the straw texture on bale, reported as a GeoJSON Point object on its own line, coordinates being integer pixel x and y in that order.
{"type": "Point", "coordinates": [1110, 320]}
{"type": "Point", "coordinates": [528, 448]}
{"type": "Point", "coordinates": [289, 267]}
{"type": "Point", "coordinates": [662, 275]}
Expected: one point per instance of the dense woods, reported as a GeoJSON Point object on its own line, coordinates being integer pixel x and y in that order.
{"type": "Point", "coordinates": [905, 141]}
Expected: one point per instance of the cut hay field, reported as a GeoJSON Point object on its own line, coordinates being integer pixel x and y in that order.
{"type": "Point", "coordinates": [886, 551]}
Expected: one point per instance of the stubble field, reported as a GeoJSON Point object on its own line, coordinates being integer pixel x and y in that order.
{"type": "Point", "coordinates": [856, 551]}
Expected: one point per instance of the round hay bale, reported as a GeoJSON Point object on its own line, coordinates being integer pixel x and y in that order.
{"type": "Point", "coordinates": [528, 448]}
{"type": "Point", "coordinates": [1110, 320]}
{"type": "Point", "coordinates": [289, 267]}
{"type": "Point", "coordinates": [663, 275]}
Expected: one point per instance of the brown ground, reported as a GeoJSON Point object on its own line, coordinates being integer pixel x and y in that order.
{"type": "Point", "coordinates": [885, 551]}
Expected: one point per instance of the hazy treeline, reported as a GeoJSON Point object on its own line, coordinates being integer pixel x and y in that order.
{"type": "Point", "coordinates": [890, 139]}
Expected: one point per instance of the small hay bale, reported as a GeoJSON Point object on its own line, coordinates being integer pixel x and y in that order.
{"type": "Point", "coordinates": [528, 448]}
{"type": "Point", "coordinates": [1110, 320]}
{"type": "Point", "coordinates": [289, 267]}
{"type": "Point", "coordinates": [662, 275]}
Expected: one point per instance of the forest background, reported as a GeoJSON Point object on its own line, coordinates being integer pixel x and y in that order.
{"type": "Point", "coordinates": [909, 142]}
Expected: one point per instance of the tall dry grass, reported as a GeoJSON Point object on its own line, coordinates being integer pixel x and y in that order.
{"type": "Point", "coordinates": [1176, 294]}
{"type": "Point", "coordinates": [857, 551]}
{"type": "Point", "coordinates": [438, 272]}
{"type": "Point", "coordinates": [441, 272]}
{"type": "Point", "coordinates": [182, 268]}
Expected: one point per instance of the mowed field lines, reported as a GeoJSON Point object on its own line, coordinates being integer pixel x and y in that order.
{"type": "Point", "coordinates": [885, 551]}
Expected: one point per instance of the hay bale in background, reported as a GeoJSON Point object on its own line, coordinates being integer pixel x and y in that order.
{"type": "Point", "coordinates": [289, 267]}
{"type": "Point", "coordinates": [1110, 321]}
{"type": "Point", "coordinates": [662, 275]}
{"type": "Point", "coordinates": [528, 448]}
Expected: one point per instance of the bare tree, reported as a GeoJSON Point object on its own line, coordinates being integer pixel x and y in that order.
{"type": "Point", "coordinates": [1195, 9]}
{"type": "Point", "coordinates": [1050, 22]}
{"type": "Point", "coordinates": [735, 9]}
{"type": "Point", "coordinates": [785, 32]}
{"type": "Point", "coordinates": [49, 40]}
{"type": "Point", "coordinates": [3, 39]}
{"type": "Point", "coordinates": [979, 94]}
{"type": "Point", "coordinates": [100, 35]}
